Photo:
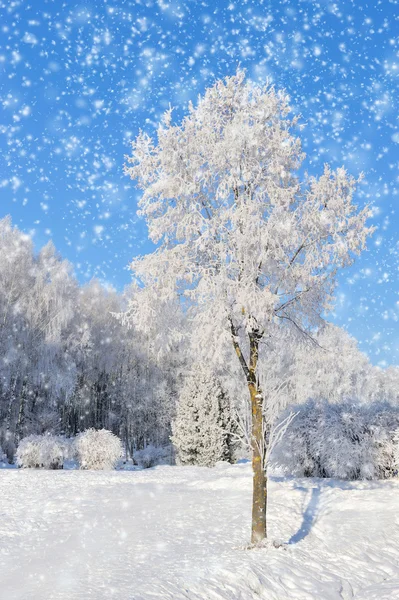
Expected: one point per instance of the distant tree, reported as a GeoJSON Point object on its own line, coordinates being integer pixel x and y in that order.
{"type": "Point", "coordinates": [334, 370]}
{"type": "Point", "coordinates": [204, 431]}
{"type": "Point", "coordinates": [246, 247]}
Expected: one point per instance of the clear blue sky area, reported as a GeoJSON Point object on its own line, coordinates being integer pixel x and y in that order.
{"type": "Point", "coordinates": [78, 80]}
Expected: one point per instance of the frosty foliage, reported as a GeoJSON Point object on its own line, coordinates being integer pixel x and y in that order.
{"type": "Point", "coordinates": [42, 451]}
{"type": "Point", "coordinates": [346, 441]}
{"type": "Point", "coordinates": [204, 431]}
{"type": "Point", "coordinates": [243, 242]}
{"type": "Point", "coordinates": [333, 370]}
{"type": "Point", "coordinates": [97, 449]}
{"type": "Point", "coordinates": [330, 368]}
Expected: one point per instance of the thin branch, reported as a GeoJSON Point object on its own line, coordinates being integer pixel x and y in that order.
{"type": "Point", "coordinates": [278, 432]}
{"type": "Point", "coordinates": [291, 300]}
{"type": "Point", "coordinates": [244, 430]}
{"type": "Point", "coordinates": [305, 333]}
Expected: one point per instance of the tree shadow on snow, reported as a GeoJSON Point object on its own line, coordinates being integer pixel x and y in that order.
{"type": "Point", "coordinates": [309, 516]}
{"type": "Point", "coordinates": [320, 484]}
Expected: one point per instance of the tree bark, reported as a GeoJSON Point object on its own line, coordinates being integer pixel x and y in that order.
{"type": "Point", "coordinates": [11, 403]}
{"type": "Point", "coordinates": [259, 498]}
{"type": "Point", "coordinates": [258, 442]}
{"type": "Point", "coordinates": [21, 414]}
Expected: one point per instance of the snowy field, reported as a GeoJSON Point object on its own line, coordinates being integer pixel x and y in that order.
{"type": "Point", "coordinates": [180, 532]}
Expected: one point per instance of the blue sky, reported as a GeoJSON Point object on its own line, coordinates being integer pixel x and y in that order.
{"type": "Point", "coordinates": [78, 80]}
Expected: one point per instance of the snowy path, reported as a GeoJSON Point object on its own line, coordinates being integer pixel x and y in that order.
{"type": "Point", "coordinates": [173, 533]}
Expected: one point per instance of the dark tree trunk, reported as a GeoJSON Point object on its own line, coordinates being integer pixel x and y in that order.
{"type": "Point", "coordinates": [21, 415]}
{"type": "Point", "coordinates": [258, 442]}
{"type": "Point", "coordinates": [11, 403]}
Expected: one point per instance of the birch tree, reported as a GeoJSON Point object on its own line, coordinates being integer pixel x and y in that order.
{"type": "Point", "coordinates": [246, 244]}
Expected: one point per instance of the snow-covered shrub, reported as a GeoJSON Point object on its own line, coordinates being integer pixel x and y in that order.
{"type": "Point", "coordinates": [346, 441]}
{"type": "Point", "coordinates": [204, 428]}
{"type": "Point", "coordinates": [41, 451]}
{"type": "Point", "coordinates": [151, 456]}
{"type": "Point", "coordinates": [28, 452]}
{"type": "Point", "coordinates": [97, 449]}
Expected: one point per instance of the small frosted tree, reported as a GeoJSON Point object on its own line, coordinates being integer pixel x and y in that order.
{"type": "Point", "coordinates": [246, 246]}
{"type": "Point", "coordinates": [204, 429]}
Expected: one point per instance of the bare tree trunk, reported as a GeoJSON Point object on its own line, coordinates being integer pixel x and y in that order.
{"type": "Point", "coordinates": [9, 443]}
{"type": "Point", "coordinates": [259, 498]}
{"type": "Point", "coordinates": [258, 442]}
{"type": "Point", "coordinates": [21, 415]}
{"type": "Point", "coordinates": [11, 403]}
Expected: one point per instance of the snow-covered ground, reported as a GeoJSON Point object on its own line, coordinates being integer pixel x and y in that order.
{"type": "Point", "coordinates": [180, 532]}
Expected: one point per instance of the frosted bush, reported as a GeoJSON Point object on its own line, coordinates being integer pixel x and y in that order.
{"type": "Point", "coordinates": [41, 451]}
{"type": "Point", "coordinates": [151, 456]}
{"type": "Point", "coordinates": [97, 449]}
{"type": "Point", "coordinates": [346, 441]}
{"type": "Point", "coordinates": [28, 452]}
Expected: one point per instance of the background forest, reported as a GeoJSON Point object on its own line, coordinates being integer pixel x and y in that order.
{"type": "Point", "coordinates": [69, 362]}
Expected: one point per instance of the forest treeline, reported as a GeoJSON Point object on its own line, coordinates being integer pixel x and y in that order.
{"type": "Point", "coordinates": [69, 363]}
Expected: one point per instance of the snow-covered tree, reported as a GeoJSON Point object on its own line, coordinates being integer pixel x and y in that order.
{"type": "Point", "coordinates": [334, 369]}
{"type": "Point", "coordinates": [247, 247]}
{"type": "Point", "coordinates": [204, 431]}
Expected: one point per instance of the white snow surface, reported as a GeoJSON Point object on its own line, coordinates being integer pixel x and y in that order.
{"type": "Point", "coordinates": [181, 533]}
